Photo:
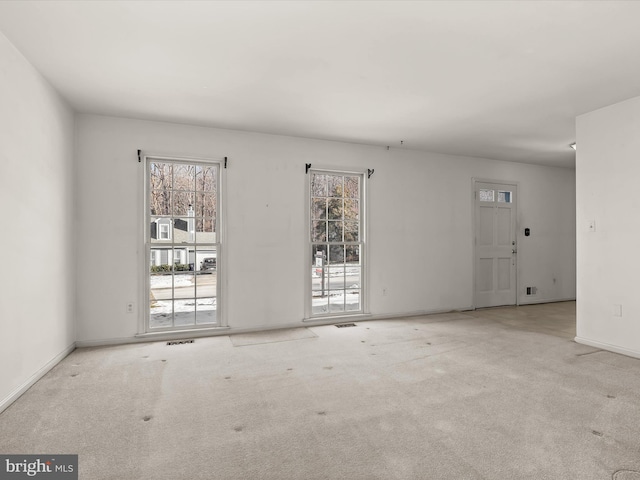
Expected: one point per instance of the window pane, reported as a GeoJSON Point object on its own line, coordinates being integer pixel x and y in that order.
{"type": "Point", "coordinates": [205, 204]}
{"type": "Point", "coordinates": [184, 177]}
{"type": "Point", "coordinates": [335, 188]}
{"type": "Point", "coordinates": [319, 208]}
{"type": "Point", "coordinates": [184, 282]}
{"type": "Point", "coordinates": [206, 311]}
{"type": "Point", "coordinates": [183, 203]}
{"type": "Point", "coordinates": [336, 277]}
{"type": "Point", "coordinates": [336, 301]}
{"type": "Point", "coordinates": [184, 312]}
{"type": "Point", "coordinates": [318, 231]}
{"type": "Point", "coordinates": [319, 278]}
{"type": "Point", "coordinates": [161, 313]}
{"type": "Point", "coordinates": [206, 263]}
{"type": "Point", "coordinates": [351, 231]}
{"type": "Point", "coordinates": [160, 284]}
{"type": "Point", "coordinates": [319, 304]}
{"type": "Point", "coordinates": [160, 202]}
{"type": "Point", "coordinates": [318, 185]}
{"type": "Point", "coordinates": [160, 176]}
{"type": "Point", "coordinates": [353, 254]}
{"type": "Point", "coordinates": [351, 209]}
{"type": "Point", "coordinates": [160, 230]}
{"type": "Point", "coordinates": [205, 230]}
{"type": "Point", "coordinates": [184, 231]}
{"type": "Point", "coordinates": [353, 300]}
{"type": "Point", "coordinates": [318, 255]}
{"type": "Point", "coordinates": [334, 231]}
{"type": "Point", "coordinates": [504, 197]}
{"type": "Point", "coordinates": [352, 277]}
{"type": "Point", "coordinates": [336, 254]}
{"type": "Point", "coordinates": [486, 195]}
{"type": "Point", "coordinates": [206, 178]}
{"type": "Point", "coordinates": [335, 209]}
{"type": "Point", "coordinates": [352, 187]}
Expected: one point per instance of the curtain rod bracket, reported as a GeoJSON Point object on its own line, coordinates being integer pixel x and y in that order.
{"type": "Point", "coordinates": [307, 166]}
{"type": "Point", "coordinates": [139, 156]}
{"type": "Point", "coordinates": [370, 172]}
{"type": "Point", "coordinates": [225, 162]}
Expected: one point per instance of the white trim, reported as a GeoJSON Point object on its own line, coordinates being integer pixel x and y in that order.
{"type": "Point", "coordinates": [313, 322]}
{"type": "Point", "coordinates": [17, 392]}
{"type": "Point", "coordinates": [547, 300]}
{"type": "Point", "coordinates": [364, 243]}
{"type": "Point", "coordinates": [155, 337]}
{"type": "Point", "coordinates": [143, 315]}
{"type": "Point", "coordinates": [221, 331]}
{"type": "Point", "coordinates": [608, 347]}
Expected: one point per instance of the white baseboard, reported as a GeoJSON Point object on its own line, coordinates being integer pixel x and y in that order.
{"type": "Point", "coordinates": [13, 396]}
{"type": "Point", "coordinates": [154, 337]}
{"type": "Point", "coordinates": [307, 322]}
{"type": "Point", "coordinates": [608, 347]}
{"type": "Point", "coordinates": [217, 331]}
{"type": "Point", "coordinates": [547, 300]}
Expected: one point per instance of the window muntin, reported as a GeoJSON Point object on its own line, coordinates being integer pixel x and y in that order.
{"type": "Point", "coordinates": [183, 244]}
{"type": "Point", "coordinates": [336, 243]}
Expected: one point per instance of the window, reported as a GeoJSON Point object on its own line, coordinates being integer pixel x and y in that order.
{"type": "Point", "coordinates": [336, 243]}
{"type": "Point", "coordinates": [182, 237]}
{"type": "Point", "coordinates": [486, 195]}
{"type": "Point", "coordinates": [504, 197]}
{"type": "Point", "coordinates": [490, 196]}
{"type": "Point", "coordinates": [164, 232]}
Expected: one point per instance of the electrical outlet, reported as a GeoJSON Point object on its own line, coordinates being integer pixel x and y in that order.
{"type": "Point", "coordinates": [591, 226]}
{"type": "Point", "coordinates": [129, 307]}
{"type": "Point", "coordinates": [617, 310]}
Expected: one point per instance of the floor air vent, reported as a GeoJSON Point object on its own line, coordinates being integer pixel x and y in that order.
{"type": "Point", "coordinates": [179, 342]}
{"type": "Point", "coordinates": [343, 325]}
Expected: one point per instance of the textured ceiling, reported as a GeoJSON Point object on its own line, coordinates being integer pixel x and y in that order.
{"type": "Point", "coordinates": [500, 80]}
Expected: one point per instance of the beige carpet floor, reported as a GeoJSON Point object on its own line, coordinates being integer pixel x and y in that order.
{"type": "Point", "coordinates": [499, 393]}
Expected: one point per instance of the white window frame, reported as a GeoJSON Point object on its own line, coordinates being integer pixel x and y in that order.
{"type": "Point", "coordinates": [144, 317]}
{"type": "Point", "coordinates": [364, 301]}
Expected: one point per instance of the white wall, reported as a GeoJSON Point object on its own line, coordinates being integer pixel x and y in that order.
{"type": "Point", "coordinates": [608, 258]}
{"type": "Point", "coordinates": [36, 240]}
{"type": "Point", "coordinates": [420, 223]}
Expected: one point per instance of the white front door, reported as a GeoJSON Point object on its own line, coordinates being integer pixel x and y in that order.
{"type": "Point", "coordinates": [495, 244]}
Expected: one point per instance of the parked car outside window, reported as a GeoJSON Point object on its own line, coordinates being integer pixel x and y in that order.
{"type": "Point", "coordinates": [208, 264]}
